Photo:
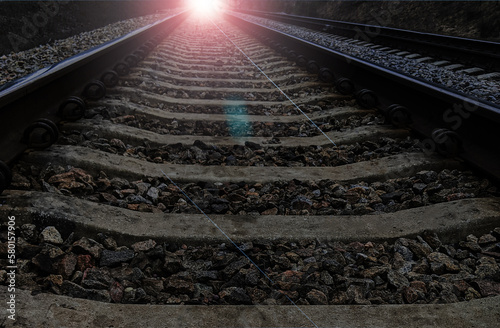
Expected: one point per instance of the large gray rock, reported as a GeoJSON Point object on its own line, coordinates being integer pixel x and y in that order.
{"type": "Point", "coordinates": [112, 258]}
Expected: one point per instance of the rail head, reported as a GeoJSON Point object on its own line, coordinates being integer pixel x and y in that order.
{"type": "Point", "coordinates": [432, 107]}
{"type": "Point", "coordinates": [23, 86]}
{"type": "Point", "coordinates": [436, 90]}
{"type": "Point", "coordinates": [39, 100]}
{"type": "Point", "coordinates": [330, 22]}
{"type": "Point", "coordinates": [484, 54]}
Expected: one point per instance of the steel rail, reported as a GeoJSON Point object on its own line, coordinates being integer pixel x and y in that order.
{"type": "Point", "coordinates": [31, 106]}
{"type": "Point", "coordinates": [433, 108]}
{"type": "Point", "coordinates": [480, 53]}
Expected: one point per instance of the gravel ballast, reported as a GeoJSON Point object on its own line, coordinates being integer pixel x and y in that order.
{"type": "Point", "coordinates": [423, 270]}
{"type": "Point", "coordinates": [294, 197]}
{"type": "Point", "coordinates": [488, 90]}
{"type": "Point", "coordinates": [17, 65]}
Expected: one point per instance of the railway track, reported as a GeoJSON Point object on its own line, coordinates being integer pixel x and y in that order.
{"type": "Point", "coordinates": [460, 52]}
{"type": "Point", "coordinates": [195, 181]}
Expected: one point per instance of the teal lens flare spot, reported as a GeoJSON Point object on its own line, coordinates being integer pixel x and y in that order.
{"type": "Point", "coordinates": [237, 118]}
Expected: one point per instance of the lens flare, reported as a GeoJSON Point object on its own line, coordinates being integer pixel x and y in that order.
{"type": "Point", "coordinates": [205, 7]}
{"type": "Point", "coordinates": [236, 116]}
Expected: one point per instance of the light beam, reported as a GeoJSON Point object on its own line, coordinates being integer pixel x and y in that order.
{"type": "Point", "coordinates": [205, 7]}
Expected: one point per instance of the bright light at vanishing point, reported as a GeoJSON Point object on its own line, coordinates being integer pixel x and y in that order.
{"type": "Point", "coordinates": [205, 7]}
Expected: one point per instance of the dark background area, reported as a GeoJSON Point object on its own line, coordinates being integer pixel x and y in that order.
{"type": "Point", "coordinates": [471, 19]}
{"type": "Point", "coordinates": [27, 24]}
